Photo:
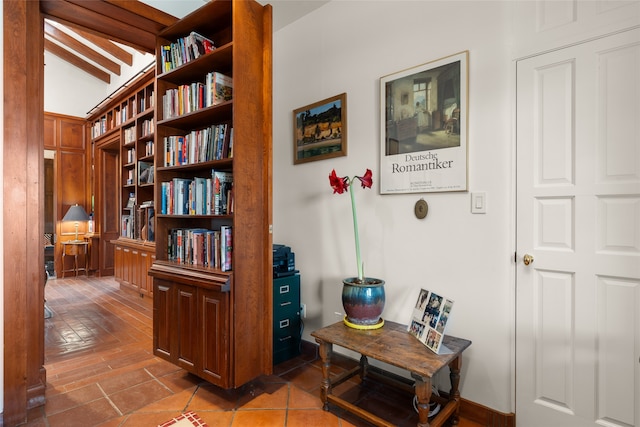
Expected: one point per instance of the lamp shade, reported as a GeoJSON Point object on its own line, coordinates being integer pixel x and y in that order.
{"type": "Point", "coordinates": [76, 213]}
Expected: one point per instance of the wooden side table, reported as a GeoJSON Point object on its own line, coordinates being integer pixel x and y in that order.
{"type": "Point", "coordinates": [75, 248]}
{"type": "Point", "coordinates": [392, 344]}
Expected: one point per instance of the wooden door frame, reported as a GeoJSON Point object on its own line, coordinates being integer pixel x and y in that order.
{"type": "Point", "coordinates": [23, 208]}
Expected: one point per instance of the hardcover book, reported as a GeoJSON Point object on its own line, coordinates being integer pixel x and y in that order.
{"type": "Point", "coordinates": [220, 88]}
{"type": "Point", "coordinates": [429, 320]}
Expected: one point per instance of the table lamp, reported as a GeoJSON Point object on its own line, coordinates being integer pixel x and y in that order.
{"type": "Point", "coordinates": [76, 213]}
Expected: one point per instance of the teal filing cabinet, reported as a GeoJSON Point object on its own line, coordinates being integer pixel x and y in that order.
{"type": "Point", "coordinates": [286, 318]}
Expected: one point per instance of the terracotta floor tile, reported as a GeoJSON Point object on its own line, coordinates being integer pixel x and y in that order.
{"type": "Point", "coordinates": [208, 398]}
{"type": "Point", "coordinates": [179, 380]}
{"type": "Point", "coordinates": [124, 380]}
{"type": "Point", "coordinates": [139, 396]}
{"type": "Point", "coordinates": [91, 414]}
{"type": "Point", "coordinates": [175, 402]}
{"type": "Point", "coordinates": [270, 418]}
{"type": "Point", "coordinates": [311, 418]}
{"type": "Point", "coordinates": [160, 368]}
{"type": "Point", "coordinates": [148, 419]}
{"type": "Point", "coordinates": [63, 402]}
{"type": "Point", "coordinates": [307, 378]}
{"type": "Point", "coordinates": [300, 399]}
{"type": "Point", "coordinates": [113, 422]}
{"type": "Point", "coordinates": [274, 396]}
{"type": "Point", "coordinates": [216, 418]}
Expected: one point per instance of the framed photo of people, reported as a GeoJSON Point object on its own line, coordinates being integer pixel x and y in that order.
{"type": "Point", "coordinates": [429, 319]}
{"type": "Point", "coordinates": [423, 127]}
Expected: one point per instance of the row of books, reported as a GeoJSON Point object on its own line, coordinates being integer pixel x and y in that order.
{"type": "Point", "coordinates": [184, 50]}
{"type": "Point", "coordinates": [149, 150]}
{"type": "Point", "coordinates": [139, 222]}
{"type": "Point", "coordinates": [130, 135]}
{"type": "Point", "coordinates": [198, 196]}
{"type": "Point", "coordinates": [147, 128]}
{"type": "Point", "coordinates": [99, 127]}
{"type": "Point", "coordinates": [121, 116]}
{"type": "Point", "coordinates": [143, 102]}
{"type": "Point", "coordinates": [185, 99]}
{"type": "Point", "coordinates": [203, 145]}
{"type": "Point", "coordinates": [200, 246]}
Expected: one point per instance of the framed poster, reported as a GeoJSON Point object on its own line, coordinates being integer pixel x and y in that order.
{"type": "Point", "coordinates": [320, 130]}
{"type": "Point", "coordinates": [423, 127]}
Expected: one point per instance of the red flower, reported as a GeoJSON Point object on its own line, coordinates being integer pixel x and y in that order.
{"type": "Point", "coordinates": [367, 179]}
{"type": "Point", "coordinates": [339, 185]}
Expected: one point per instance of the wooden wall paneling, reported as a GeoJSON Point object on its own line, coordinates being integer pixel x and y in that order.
{"type": "Point", "coordinates": [66, 136]}
{"type": "Point", "coordinates": [71, 188]}
{"type": "Point", "coordinates": [50, 132]}
{"type": "Point", "coordinates": [23, 192]}
{"type": "Point", "coordinates": [72, 134]}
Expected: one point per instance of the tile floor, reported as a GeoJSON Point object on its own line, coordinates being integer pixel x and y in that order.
{"type": "Point", "coordinates": [101, 371]}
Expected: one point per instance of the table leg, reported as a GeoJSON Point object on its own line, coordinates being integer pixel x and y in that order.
{"type": "Point", "coordinates": [325, 349]}
{"type": "Point", "coordinates": [364, 367]}
{"type": "Point", "coordinates": [454, 376]}
{"type": "Point", "coordinates": [423, 393]}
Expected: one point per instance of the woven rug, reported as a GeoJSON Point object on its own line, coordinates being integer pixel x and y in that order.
{"type": "Point", "coordinates": [188, 419]}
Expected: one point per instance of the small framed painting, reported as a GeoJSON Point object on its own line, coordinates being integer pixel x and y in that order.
{"type": "Point", "coordinates": [320, 130]}
{"type": "Point", "coordinates": [423, 127]}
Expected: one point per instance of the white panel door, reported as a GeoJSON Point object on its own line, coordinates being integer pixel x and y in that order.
{"type": "Point", "coordinates": [578, 217]}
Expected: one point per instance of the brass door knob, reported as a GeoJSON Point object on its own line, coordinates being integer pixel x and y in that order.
{"type": "Point", "coordinates": [528, 259]}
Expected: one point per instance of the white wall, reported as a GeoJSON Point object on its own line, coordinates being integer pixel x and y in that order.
{"type": "Point", "coordinates": [346, 46]}
{"type": "Point", "coordinates": [71, 91]}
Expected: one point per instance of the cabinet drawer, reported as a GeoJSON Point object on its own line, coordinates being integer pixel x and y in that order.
{"type": "Point", "coordinates": [286, 292]}
{"type": "Point", "coordinates": [284, 327]}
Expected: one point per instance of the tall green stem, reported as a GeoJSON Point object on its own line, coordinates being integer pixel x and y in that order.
{"type": "Point", "coordinates": [355, 232]}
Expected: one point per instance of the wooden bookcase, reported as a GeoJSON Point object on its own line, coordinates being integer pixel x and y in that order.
{"type": "Point", "coordinates": [123, 134]}
{"type": "Point", "coordinates": [218, 324]}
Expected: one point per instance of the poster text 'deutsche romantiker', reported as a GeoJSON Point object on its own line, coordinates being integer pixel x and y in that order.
{"type": "Point", "coordinates": [423, 120]}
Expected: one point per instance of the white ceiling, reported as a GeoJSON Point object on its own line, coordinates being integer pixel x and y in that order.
{"type": "Point", "coordinates": [284, 11]}
{"type": "Point", "coordinates": [287, 11]}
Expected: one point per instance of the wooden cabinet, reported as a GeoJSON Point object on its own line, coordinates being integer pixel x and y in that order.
{"type": "Point", "coordinates": [191, 326]}
{"type": "Point", "coordinates": [213, 321]}
{"type": "Point", "coordinates": [132, 263]}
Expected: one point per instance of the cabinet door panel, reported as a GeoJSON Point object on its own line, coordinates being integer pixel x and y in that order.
{"type": "Point", "coordinates": [162, 318]}
{"type": "Point", "coordinates": [187, 326]}
{"type": "Point", "coordinates": [118, 271]}
{"type": "Point", "coordinates": [126, 266]}
{"type": "Point", "coordinates": [214, 336]}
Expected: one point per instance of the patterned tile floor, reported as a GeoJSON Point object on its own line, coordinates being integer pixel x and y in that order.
{"type": "Point", "coordinates": [101, 371]}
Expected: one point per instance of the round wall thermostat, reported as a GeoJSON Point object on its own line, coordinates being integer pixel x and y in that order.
{"type": "Point", "coordinates": [421, 209]}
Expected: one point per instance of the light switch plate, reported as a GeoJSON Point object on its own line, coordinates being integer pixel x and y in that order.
{"type": "Point", "coordinates": [479, 203]}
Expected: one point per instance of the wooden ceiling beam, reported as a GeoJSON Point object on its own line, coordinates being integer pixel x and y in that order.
{"type": "Point", "coordinates": [142, 9]}
{"type": "Point", "coordinates": [84, 50]}
{"type": "Point", "coordinates": [76, 61]}
{"type": "Point", "coordinates": [108, 46]}
{"type": "Point", "coordinates": [76, 16]}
